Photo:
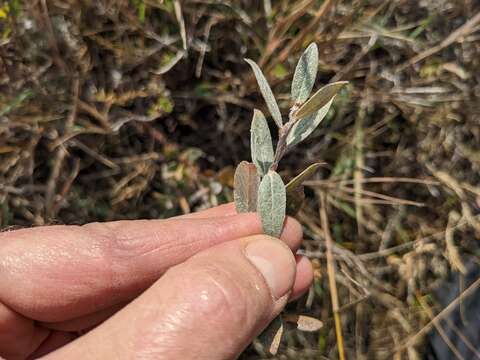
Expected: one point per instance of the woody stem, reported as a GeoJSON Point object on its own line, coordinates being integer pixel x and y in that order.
{"type": "Point", "coordinates": [282, 147]}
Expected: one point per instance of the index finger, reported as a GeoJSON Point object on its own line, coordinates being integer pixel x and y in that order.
{"type": "Point", "coordinates": [56, 273]}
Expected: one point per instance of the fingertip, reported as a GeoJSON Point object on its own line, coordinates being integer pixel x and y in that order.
{"type": "Point", "coordinates": [303, 278]}
{"type": "Point", "coordinates": [274, 260]}
{"type": "Point", "coordinates": [292, 233]}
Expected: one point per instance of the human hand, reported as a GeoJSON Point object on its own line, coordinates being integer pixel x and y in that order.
{"type": "Point", "coordinates": [197, 286]}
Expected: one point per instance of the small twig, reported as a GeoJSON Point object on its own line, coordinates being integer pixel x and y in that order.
{"type": "Point", "coordinates": [66, 186]}
{"type": "Point", "coordinates": [453, 254]}
{"type": "Point", "coordinates": [60, 154]}
{"type": "Point", "coordinates": [462, 31]}
{"type": "Point", "coordinates": [203, 47]}
{"type": "Point", "coordinates": [331, 276]}
{"type": "Point", "coordinates": [51, 38]}
{"type": "Point", "coordinates": [282, 25]}
{"type": "Point", "coordinates": [181, 22]}
{"type": "Point", "coordinates": [93, 154]}
{"type": "Point", "coordinates": [346, 69]}
{"type": "Point", "coordinates": [358, 175]}
{"type": "Point", "coordinates": [447, 310]}
{"type": "Point", "coordinates": [92, 111]}
{"type": "Point", "coordinates": [310, 28]}
{"type": "Point", "coordinates": [283, 132]}
{"type": "Point", "coordinates": [332, 182]}
{"type": "Point", "coordinates": [408, 245]}
{"type": "Point", "coordinates": [439, 327]}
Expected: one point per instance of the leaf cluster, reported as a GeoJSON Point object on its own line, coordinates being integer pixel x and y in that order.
{"type": "Point", "coordinates": [258, 187]}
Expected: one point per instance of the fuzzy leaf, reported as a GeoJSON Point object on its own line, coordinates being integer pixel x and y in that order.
{"type": "Point", "coordinates": [271, 337]}
{"type": "Point", "coordinates": [246, 182]}
{"type": "Point", "coordinates": [318, 100]}
{"type": "Point", "coordinates": [261, 143]}
{"type": "Point", "coordinates": [305, 73]}
{"type": "Point", "coordinates": [303, 176]}
{"type": "Point", "coordinates": [272, 203]}
{"type": "Point", "coordinates": [304, 323]}
{"type": "Point", "coordinates": [304, 127]}
{"type": "Point", "coordinates": [266, 92]}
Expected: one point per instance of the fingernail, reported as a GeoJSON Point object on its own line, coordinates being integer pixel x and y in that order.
{"type": "Point", "coordinates": [275, 262]}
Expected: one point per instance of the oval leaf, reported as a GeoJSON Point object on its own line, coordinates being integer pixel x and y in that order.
{"type": "Point", "coordinates": [246, 182]}
{"type": "Point", "coordinates": [318, 100]}
{"type": "Point", "coordinates": [305, 323]}
{"type": "Point", "coordinates": [272, 203]}
{"type": "Point", "coordinates": [261, 143]}
{"type": "Point", "coordinates": [305, 73]}
{"type": "Point", "coordinates": [266, 92]}
{"type": "Point", "coordinates": [304, 127]}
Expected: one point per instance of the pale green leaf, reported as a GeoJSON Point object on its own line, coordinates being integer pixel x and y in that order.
{"type": "Point", "coordinates": [318, 100]}
{"type": "Point", "coordinates": [272, 203]}
{"type": "Point", "coordinates": [305, 73]}
{"type": "Point", "coordinates": [261, 143]}
{"type": "Point", "coordinates": [304, 127]}
{"type": "Point", "coordinates": [246, 182]}
{"type": "Point", "coordinates": [266, 92]}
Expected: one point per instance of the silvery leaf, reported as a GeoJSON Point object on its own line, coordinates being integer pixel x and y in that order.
{"type": "Point", "coordinates": [305, 73]}
{"type": "Point", "coordinates": [319, 99]}
{"type": "Point", "coordinates": [272, 203]}
{"type": "Point", "coordinates": [304, 127]}
{"type": "Point", "coordinates": [304, 323]}
{"type": "Point", "coordinates": [266, 92]}
{"type": "Point", "coordinates": [271, 337]}
{"type": "Point", "coordinates": [246, 182]}
{"type": "Point", "coordinates": [261, 143]}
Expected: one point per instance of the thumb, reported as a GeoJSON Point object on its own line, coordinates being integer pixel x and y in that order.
{"type": "Point", "coordinates": [209, 307]}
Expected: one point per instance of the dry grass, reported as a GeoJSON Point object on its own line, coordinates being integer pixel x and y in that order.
{"type": "Point", "coordinates": [106, 113]}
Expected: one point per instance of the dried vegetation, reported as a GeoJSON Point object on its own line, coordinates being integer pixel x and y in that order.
{"type": "Point", "coordinates": [129, 109]}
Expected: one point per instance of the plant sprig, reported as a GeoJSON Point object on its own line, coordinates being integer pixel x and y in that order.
{"type": "Point", "coordinates": [304, 117]}
{"type": "Point", "coordinates": [258, 186]}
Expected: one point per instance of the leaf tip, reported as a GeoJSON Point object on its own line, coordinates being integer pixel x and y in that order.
{"type": "Point", "coordinates": [312, 45]}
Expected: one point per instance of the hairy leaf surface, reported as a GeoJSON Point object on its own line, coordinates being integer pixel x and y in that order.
{"type": "Point", "coordinates": [305, 126]}
{"type": "Point", "coordinates": [266, 92]}
{"type": "Point", "coordinates": [305, 73]}
{"type": "Point", "coordinates": [261, 143]}
{"type": "Point", "coordinates": [272, 203]}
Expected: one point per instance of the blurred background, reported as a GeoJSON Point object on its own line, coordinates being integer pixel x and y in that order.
{"type": "Point", "coordinates": [127, 109]}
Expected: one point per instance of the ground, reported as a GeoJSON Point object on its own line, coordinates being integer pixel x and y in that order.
{"type": "Point", "coordinates": [141, 109]}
